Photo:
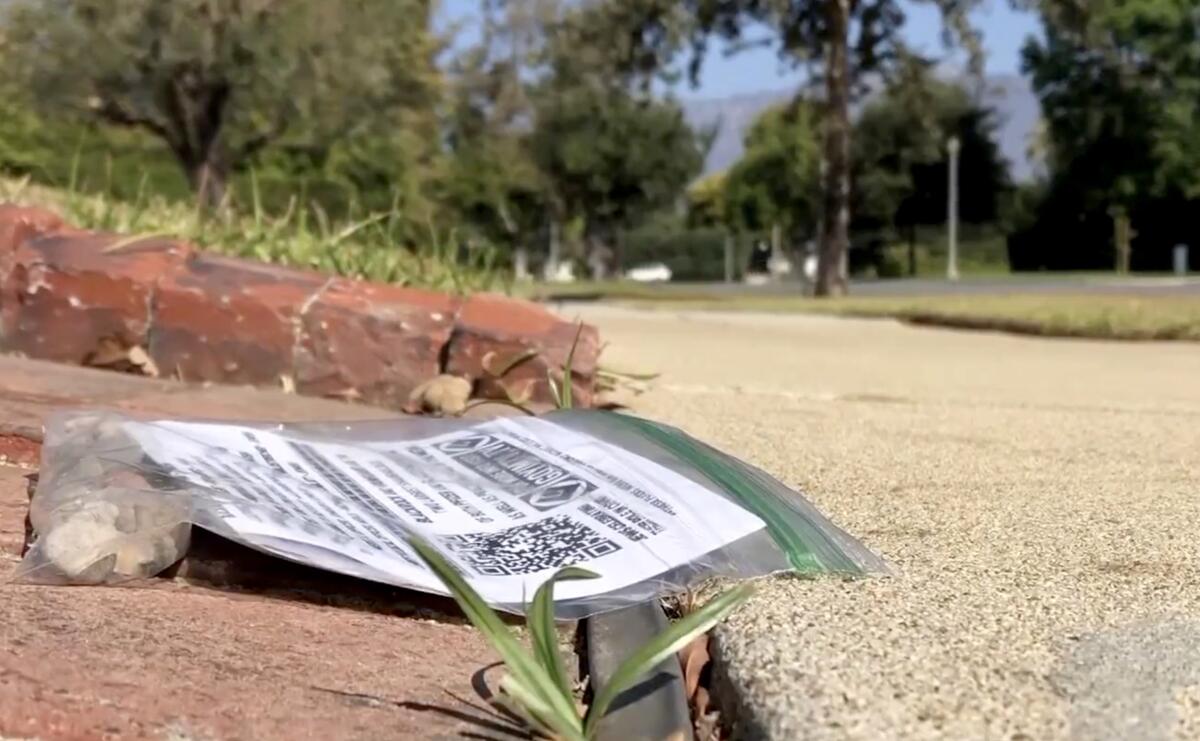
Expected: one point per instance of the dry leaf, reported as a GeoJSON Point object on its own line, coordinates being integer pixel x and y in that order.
{"type": "Point", "coordinates": [693, 657]}
{"type": "Point", "coordinates": [444, 394]}
{"type": "Point", "coordinates": [139, 357]}
{"type": "Point", "coordinates": [522, 398]}
{"type": "Point", "coordinates": [108, 352]}
{"type": "Point", "coordinates": [112, 354]}
{"type": "Point", "coordinates": [700, 702]}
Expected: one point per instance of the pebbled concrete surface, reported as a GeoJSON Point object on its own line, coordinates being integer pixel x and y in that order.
{"type": "Point", "coordinates": [1038, 498]}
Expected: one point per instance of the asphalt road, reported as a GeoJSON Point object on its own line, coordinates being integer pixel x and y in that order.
{"type": "Point", "coordinates": [1073, 283]}
{"type": "Point", "coordinates": [1092, 284]}
{"type": "Point", "coordinates": [1038, 499]}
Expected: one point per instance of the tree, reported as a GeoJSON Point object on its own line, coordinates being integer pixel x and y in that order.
{"type": "Point", "coordinates": [1125, 74]}
{"type": "Point", "coordinates": [840, 40]}
{"type": "Point", "coordinates": [612, 157]}
{"type": "Point", "coordinates": [491, 179]}
{"type": "Point", "coordinates": [1119, 84]}
{"type": "Point", "coordinates": [773, 187]}
{"type": "Point", "coordinates": [610, 151]}
{"type": "Point", "coordinates": [900, 158]}
{"type": "Point", "coordinates": [219, 80]}
{"type": "Point", "coordinates": [776, 181]}
{"type": "Point", "coordinates": [706, 202]}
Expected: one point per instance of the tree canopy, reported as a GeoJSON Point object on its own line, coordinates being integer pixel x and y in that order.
{"type": "Point", "coordinates": [776, 182]}
{"type": "Point", "coordinates": [1119, 84]}
{"type": "Point", "coordinates": [840, 41]}
{"type": "Point", "coordinates": [219, 80]}
{"type": "Point", "coordinates": [563, 119]}
{"type": "Point", "coordinates": [549, 124]}
{"type": "Point", "coordinates": [901, 160]}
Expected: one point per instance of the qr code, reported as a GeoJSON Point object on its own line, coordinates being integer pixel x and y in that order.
{"type": "Point", "coordinates": [527, 549]}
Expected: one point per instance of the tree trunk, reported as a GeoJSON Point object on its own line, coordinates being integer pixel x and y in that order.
{"type": "Point", "coordinates": [835, 239]}
{"type": "Point", "coordinates": [195, 112]}
{"type": "Point", "coordinates": [209, 179]}
{"type": "Point", "coordinates": [553, 252]}
{"type": "Point", "coordinates": [618, 252]}
{"type": "Point", "coordinates": [728, 257]}
{"type": "Point", "coordinates": [912, 250]}
{"type": "Point", "coordinates": [521, 262]}
{"type": "Point", "coordinates": [598, 255]}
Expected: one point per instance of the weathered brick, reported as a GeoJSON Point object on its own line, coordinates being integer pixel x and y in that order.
{"type": "Point", "coordinates": [371, 342]}
{"type": "Point", "coordinates": [69, 294]}
{"type": "Point", "coordinates": [77, 297]}
{"type": "Point", "coordinates": [18, 223]}
{"type": "Point", "coordinates": [226, 320]}
{"type": "Point", "coordinates": [492, 330]}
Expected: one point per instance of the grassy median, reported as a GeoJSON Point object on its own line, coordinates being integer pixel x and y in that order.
{"type": "Point", "coordinates": [1099, 316]}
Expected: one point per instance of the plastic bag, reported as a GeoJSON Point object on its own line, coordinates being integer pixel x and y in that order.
{"type": "Point", "coordinates": [509, 501]}
{"type": "Point", "coordinates": [97, 518]}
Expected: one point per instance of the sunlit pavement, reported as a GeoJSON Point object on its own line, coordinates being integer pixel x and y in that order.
{"type": "Point", "coordinates": [1038, 499]}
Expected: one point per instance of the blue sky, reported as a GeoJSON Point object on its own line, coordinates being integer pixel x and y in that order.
{"type": "Point", "coordinates": [1004, 30]}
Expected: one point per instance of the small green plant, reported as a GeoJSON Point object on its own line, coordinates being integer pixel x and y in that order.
{"type": "Point", "coordinates": [563, 395]}
{"type": "Point", "coordinates": [537, 686]}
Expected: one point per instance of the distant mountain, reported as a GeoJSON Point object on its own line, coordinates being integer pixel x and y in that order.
{"type": "Point", "coordinates": [1009, 95]}
{"type": "Point", "coordinates": [1017, 110]}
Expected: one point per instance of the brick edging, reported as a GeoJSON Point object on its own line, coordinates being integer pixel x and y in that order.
{"type": "Point", "coordinates": [163, 307]}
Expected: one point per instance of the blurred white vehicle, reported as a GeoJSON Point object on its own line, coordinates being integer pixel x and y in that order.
{"type": "Point", "coordinates": [651, 273]}
{"type": "Point", "coordinates": [810, 268]}
{"type": "Point", "coordinates": [564, 272]}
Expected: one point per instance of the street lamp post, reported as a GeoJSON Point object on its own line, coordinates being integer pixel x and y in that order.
{"type": "Point", "coordinates": [952, 148]}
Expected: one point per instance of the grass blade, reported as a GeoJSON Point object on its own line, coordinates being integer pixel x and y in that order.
{"type": "Point", "coordinates": [139, 201]}
{"type": "Point", "coordinates": [554, 392]}
{"type": "Point", "coordinates": [568, 387]}
{"type": "Point", "coordinates": [509, 364]}
{"type": "Point", "coordinates": [502, 402]}
{"type": "Point", "coordinates": [73, 178]}
{"type": "Point", "coordinates": [526, 704]}
{"type": "Point", "coordinates": [131, 240]}
{"type": "Point", "coordinates": [256, 199]}
{"type": "Point", "coordinates": [553, 707]}
{"type": "Point", "coordinates": [540, 620]}
{"type": "Point", "coordinates": [660, 647]}
{"type": "Point", "coordinates": [627, 374]}
{"type": "Point", "coordinates": [349, 230]}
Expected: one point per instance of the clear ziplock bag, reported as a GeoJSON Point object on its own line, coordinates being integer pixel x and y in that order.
{"type": "Point", "coordinates": [508, 501]}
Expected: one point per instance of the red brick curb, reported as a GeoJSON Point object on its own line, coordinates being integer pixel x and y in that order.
{"type": "Point", "coordinates": [90, 298]}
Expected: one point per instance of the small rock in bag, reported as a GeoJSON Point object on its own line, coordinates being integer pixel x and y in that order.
{"type": "Point", "coordinates": [112, 537]}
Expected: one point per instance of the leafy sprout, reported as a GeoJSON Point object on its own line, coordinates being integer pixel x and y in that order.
{"type": "Point", "coordinates": [537, 686]}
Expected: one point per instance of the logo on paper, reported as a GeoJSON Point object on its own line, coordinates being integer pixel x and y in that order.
{"type": "Point", "coordinates": [559, 493]}
{"type": "Point", "coordinates": [466, 444]}
{"type": "Point", "coordinates": [540, 483]}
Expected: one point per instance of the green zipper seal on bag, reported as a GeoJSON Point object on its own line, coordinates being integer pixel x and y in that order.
{"type": "Point", "coordinates": [807, 548]}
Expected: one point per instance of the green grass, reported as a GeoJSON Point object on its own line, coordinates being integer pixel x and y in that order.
{"type": "Point", "coordinates": [1124, 317]}
{"type": "Point", "coordinates": [371, 247]}
{"type": "Point", "coordinates": [537, 686]}
{"type": "Point", "coordinates": [1101, 316]}
{"type": "Point", "coordinates": [984, 255]}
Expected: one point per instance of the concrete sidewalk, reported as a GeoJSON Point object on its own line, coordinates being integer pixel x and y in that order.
{"type": "Point", "coordinates": [1038, 499]}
